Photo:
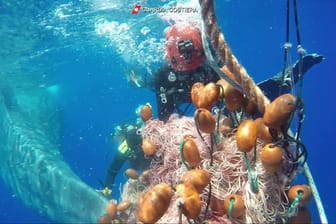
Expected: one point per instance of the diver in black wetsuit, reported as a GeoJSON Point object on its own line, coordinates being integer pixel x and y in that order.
{"type": "Point", "coordinates": [129, 150]}
{"type": "Point", "coordinates": [186, 65]}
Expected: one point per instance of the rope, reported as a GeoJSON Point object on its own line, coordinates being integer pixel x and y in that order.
{"type": "Point", "coordinates": [296, 16]}
{"type": "Point", "coordinates": [295, 204]}
{"type": "Point", "coordinates": [250, 89]}
{"type": "Point", "coordinates": [185, 163]}
{"type": "Point", "coordinates": [231, 207]}
{"type": "Point", "coordinates": [299, 104]}
{"type": "Point", "coordinates": [286, 47]}
{"type": "Point", "coordinates": [207, 204]}
{"type": "Point", "coordinates": [316, 195]}
{"type": "Point", "coordinates": [252, 177]}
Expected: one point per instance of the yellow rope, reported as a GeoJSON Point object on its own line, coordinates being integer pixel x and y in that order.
{"type": "Point", "coordinates": [231, 64]}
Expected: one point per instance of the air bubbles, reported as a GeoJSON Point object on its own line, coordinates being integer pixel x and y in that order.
{"type": "Point", "coordinates": [145, 30]}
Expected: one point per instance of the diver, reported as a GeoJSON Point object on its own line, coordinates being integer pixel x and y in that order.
{"type": "Point", "coordinates": [186, 64]}
{"type": "Point", "coordinates": [129, 150]}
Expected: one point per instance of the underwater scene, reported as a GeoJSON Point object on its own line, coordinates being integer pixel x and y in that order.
{"type": "Point", "coordinates": [185, 111]}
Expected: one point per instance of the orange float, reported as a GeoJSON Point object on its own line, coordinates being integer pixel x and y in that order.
{"type": "Point", "coordinates": [199, 178]}
{"type": "Point", "coordinates": [295, 190]}
{"type": "Point", "coordinates": [148, 147]}
{"type": "Point", "coordinates": [124, 205]}
{"type": "Point", "coordinates": [246, 135]}
{"type": "Point", "coordinates": [279, 111]}
{"type": "Point", "coordinates": [271, 157]}
{"type": "Point", "coordinates": [132, 173]}
{"type": "Point", "coordinates": [196, 92]}
{"type": "Point", "coordinates": [111, 209]}
{"type": "Point", "coordinates": [204, 96]}
{"type": "Point", "coordinates": [146, 113]}
{"type": "Point", "coordinates": [146, 175]}
{"type": "Point", "coordinates": [206, 121]}
{"type": "Point", "coordinates": [190, 152]}
{"type": "Point", "coordinates": [233, 98]}
{"type": "Point", "coordinates": [154, 203]}
{"type": "Point", "coordinates": [191, 206]}
{"type": "Point", "coordinates": [303, 216]}
{"type": "Point", "coordinates": [263, 131]}
{"type": "Point", "coordinates": [238, 207]}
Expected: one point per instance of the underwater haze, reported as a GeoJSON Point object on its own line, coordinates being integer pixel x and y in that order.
{"type": "Point", "coordinates": [82, 55]}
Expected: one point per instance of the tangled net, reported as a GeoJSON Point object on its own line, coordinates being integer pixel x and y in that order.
{"type": "Point", "coordinates": [228, 172]}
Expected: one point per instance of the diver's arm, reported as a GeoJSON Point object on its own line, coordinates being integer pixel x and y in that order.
{"type": "Point", "coordinates": [271, 86]}
{"type": "Point", "coordinates": [115, 166]}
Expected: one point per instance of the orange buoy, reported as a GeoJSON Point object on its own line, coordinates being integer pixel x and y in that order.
{"type": "Point", "coordinates": [302, 217]}
{"type": "Point", "coordinates": [191, 206]}
{"type": "Point", "coordinates": [132, 173]}
{"type": "Point", "coordinates": [154, 203]}
{"type": "Point", "coordinates": [263, 131]}
{"type": "Point", "coordinates": [148, 147]}
{"type": "Point", "coordinates": [111, 209]}
{"type": "Point", "coordinates": [196, 92]}
{"type": "Point", "coordinates": [233, 98]}
{"type": "Point", "coordinates": [271, 156]}
{"type": "Point", "coordinates": [145, 175]}
{"type": "Point", "coordinates": [238, 207]}
{"type": "Point", "coordinates": [279, 111]}
{"type": "Point", "coordinates": [206, 121]}
{"type": "Point", "coordinates": [204, 96]}
{"type": "Point", "coordinates": [246, 135]}
{"type": "Point", "coordinates": [190, 152]}
{"type": "Point", "coordinates": [105, 219]}
{"type": "Point", "coordinates": [295, 190]}
{"type": "Point", "coordinates": [124, 205]}
{"type": "Point", "coordinates": [146, 112]}
{"type": "Point", "coordinates": [199, 178]}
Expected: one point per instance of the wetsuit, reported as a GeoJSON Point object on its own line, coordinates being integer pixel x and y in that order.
{"type": "Point", "coordinates": [173, 88]}
{"type": "Point", "coordinates": [129, 151]}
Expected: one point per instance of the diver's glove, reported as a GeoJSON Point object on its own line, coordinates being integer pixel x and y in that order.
{"type": "Point", "coordinates": [134, 78]}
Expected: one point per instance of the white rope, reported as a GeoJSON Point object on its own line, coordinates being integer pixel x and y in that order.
{"type": "Point", "coordinates": [315, 192]}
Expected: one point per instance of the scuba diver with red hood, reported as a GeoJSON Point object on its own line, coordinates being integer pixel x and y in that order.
{"type": "Point", "coordinates": [186, 64]}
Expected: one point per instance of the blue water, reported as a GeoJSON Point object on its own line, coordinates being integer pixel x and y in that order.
{"type": "Point", "coordinates": [94, 94]}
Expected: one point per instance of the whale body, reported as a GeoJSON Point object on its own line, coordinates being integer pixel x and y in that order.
{"type": "Point", "coordinates": [31, 163]}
